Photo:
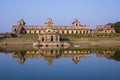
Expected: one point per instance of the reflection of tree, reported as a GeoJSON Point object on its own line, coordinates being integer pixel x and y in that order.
{"type": "Point", "coordinates": [116, 56]}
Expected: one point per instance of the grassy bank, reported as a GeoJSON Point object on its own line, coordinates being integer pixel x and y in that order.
{"type": "Point", "coordinates": [92, 39]}
{"type": "Point", "coordinates": [28, 36]}
{"type": "Point", "coordinates": [16, 41]}
{"type": "Point", "coordinates": [77, 36]}
{"type": "Point", "coordinates": [19, 48]}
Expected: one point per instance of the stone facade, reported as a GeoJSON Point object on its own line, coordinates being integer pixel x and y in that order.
{"type": "Point", "coordinates": [104, 29]}
{"type": "Point", "coordinates": [50, 39]}
{"type": "Point", "coordinates": [75, 28]}
{"type": "Point", "coordinates": [49, 36]}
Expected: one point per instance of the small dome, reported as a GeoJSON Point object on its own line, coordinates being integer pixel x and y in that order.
{"type": "Point", "coordinates": [21, 22]}
{"type": "Point", "coordinates": [48, 20]}
{"type": "Point", "coordinates": [75, 21]}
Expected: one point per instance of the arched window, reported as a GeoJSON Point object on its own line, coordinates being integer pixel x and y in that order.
{"type": "Point", "coordinates": [39, 31]}
{"type": "Point", "coordinates": [72, 32]}
{"type": "Point", "coordinates": [46, 45]}
{"type": "Point", "coordinates": [51, 38]}
{"type": "Point", "coordinates": [30, 32]}
{"type": "Point", "coordinates": [51, 52]}
{"type": "Point", "coordinates": [86, 31]}
{"type": "Point", "coordinates": [67, 32]}
{"type": "Point", "coordinates": [34, 32]}
{"type": "Point", "coordinates": [42, 38]}
{"type": "Point", "coordinates": [15, 30]}
{"type": "Point", "coordinates": [57, 45]}
{"type": "Point", "coordinates": [76, 24]}
{"type": "Point", "coordinates": [23, 31]}
{"type": "Point", "coordinates": [76, 32]}
{"type": "Point", "coordinates": [80, 32]}
{"type": "Point", "coordinates": [62, 32]}
{"type": "Point", "coordinates": [83, 31]}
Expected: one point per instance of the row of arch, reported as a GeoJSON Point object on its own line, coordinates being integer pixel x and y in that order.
{"type": "Point", "coordinates": [66, 31]}
{"type": "Point", "coordinates": [57, 45]}
{"type": "Point", "coordinates": [106, 31]}
{"type": "Point", "coordinates": [60, 31]}
{"type": "Point", "coordinates": [52, 38]}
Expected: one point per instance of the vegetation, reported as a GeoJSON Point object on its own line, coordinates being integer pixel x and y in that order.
{"type": "Point", "coordinates": [92, 35]}
{"type": "Point", "coordinates": [116, 56]}
{"type": "Point", "coordinates": [66, 37]}
{"type": "Point", "coordinates": [94, 49]}
{"type": "Point", "coordinates": [28, 36]}
{"type": "Point", "coordinates": [116, 26]}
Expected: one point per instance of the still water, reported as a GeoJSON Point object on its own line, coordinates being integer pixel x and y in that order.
{"type": "Point", "coordinates": [27, 63]}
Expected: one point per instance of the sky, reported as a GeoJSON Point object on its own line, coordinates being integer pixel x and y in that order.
{"type": "Point", "coordinates": [62, 12]}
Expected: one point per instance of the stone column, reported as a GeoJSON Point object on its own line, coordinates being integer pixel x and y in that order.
{"type": "Point", "coordinates": [45, 38]}
{"type": "Point", "coordinates": [54, 38]}
{"type": "Point", "coordinates": [58, 37]}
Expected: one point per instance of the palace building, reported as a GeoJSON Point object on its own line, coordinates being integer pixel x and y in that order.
{"type": "Point", "coordinates": [75, 28]}
{"type": "Point", "coordinates": [104, 29]}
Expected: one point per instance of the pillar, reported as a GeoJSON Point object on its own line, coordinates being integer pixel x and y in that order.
{"type": "Point", "coordinates": [58, 37]}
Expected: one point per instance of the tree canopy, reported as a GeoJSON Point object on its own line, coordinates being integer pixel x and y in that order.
{"type": "Point", "coordinates": [116, 26]}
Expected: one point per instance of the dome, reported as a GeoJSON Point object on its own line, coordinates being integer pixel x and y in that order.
{"type": "Point", "coordinates": [48, 20]}
{"type": "Point", "coordinates": [75, 21]}
{"type": "Point", "coordinates": [21, 22]}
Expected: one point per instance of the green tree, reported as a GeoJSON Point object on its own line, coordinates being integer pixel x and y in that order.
{"type": "Point", "coordinates": [116, 26]}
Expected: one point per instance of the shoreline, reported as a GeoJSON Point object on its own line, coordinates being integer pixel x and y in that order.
{"type": "Point", "coordinates": [13, 48]}
{"type": "Point", "coordinates": [73, 41]}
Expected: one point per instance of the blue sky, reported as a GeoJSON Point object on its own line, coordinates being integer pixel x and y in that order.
{"type": "Point", "coordinates": [62, 12]}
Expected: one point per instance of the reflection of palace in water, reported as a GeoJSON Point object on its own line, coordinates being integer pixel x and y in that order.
{"type": "Point", "coordinates": [51, 54]}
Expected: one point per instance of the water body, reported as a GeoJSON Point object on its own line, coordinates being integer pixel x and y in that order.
{"type": "Point", "coordinates": [86, 63]}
